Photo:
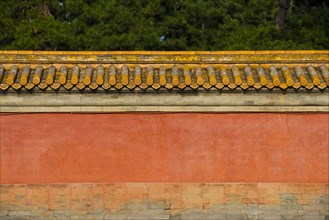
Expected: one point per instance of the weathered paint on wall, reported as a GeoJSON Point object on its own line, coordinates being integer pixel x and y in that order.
{"type": "Point", "coordinates": [272, 201]}
{"type": "Point", "coordinates": [181, 147]}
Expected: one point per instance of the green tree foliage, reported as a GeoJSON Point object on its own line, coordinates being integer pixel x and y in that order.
{"type": "Point", "coordinates": [162, 25]}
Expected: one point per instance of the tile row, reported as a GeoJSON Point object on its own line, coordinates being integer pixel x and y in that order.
{"type": "Point", "coordinates": [157, 77]}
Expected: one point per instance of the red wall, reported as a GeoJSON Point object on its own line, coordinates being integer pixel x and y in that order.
{"type": "Point", "coordinates": [184, 147]}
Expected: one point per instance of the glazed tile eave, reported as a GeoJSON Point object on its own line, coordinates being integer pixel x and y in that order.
{"type": "Point", "coordinates": [77, 71]}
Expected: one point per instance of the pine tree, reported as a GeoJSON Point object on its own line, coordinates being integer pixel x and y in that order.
{"type": "Point", "coordinates": [163, 24]}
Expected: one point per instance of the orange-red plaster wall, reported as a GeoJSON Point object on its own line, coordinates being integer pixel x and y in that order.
{"type": "Point", "coordinates": [184, 147]}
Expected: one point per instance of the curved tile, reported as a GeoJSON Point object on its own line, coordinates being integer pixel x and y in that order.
{"type": "Point", "coordinates": [166, 76]}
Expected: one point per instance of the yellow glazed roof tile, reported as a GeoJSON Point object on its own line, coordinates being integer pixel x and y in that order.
{"type": "Point", "coordinates": [166, 70]}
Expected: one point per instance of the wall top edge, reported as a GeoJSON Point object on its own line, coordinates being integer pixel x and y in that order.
{"type": "Point", "coordinates": [224, 52]}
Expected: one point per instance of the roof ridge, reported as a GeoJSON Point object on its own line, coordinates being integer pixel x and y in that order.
{"type": "Point", "coordinates": [222, 52]}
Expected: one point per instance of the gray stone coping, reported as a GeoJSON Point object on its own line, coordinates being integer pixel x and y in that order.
{"type": "Point", "coordinates": [165, 102]}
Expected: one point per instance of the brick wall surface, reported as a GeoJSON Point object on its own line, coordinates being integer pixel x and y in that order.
{"type": "Point", "coordinates": [165, 201]}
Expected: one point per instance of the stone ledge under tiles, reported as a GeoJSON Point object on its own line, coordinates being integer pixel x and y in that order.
{"type": "Point", "coordinates": [164, 102]}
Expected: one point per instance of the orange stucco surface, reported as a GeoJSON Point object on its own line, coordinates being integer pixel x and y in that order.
{"type": "Point", "coordinates": [181, 147]}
